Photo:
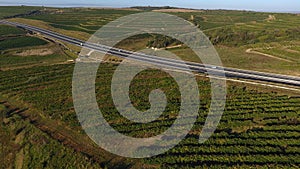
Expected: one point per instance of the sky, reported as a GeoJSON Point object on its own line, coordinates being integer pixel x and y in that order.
{"type": "Point", "coordinates": [255, 5]}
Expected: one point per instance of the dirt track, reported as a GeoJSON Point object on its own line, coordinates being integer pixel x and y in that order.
{"type": "Point", "coordinates": [267, 55]}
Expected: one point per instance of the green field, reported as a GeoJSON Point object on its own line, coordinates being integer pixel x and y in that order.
{"type": "Point", "coordinates": [8, 61]}
{"type": "Point", "coordinates": [29, 147]}
{"type": "Point", "coordinates": [6, 30]}
{"type": "Point", "coordinates": [86, 20]}
{"type": "Point", "coordinates": [12, 37]}
{"type": "Point", "coordinates": [289, 55]}
{"type": "Point", "coordinates": [18, 50]}
{"type": "Point", "coordinates": [21, 42]}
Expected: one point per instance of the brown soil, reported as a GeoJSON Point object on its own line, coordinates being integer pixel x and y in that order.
{"type": "Point", "coordinates": [271, 18]}
{"type": "Point", "coordinates": [36, 52]}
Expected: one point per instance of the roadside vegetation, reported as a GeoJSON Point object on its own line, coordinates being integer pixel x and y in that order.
{"type": "Point", "coordinates": [21, 42]}
{"type": "Point", "coordinates": [20, 49]}
{"type": "Point", "coordinates": [6, 30]}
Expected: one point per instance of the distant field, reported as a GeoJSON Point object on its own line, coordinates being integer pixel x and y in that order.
{"type": "Point", "coordinates": [14, 10]}
{"type": "Point", "coordinates": [86, 20]}
{"type": "Point", "coordinates": [209, 19]}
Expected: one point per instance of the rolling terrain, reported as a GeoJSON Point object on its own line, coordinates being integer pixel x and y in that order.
{"type": "Point", "coordinates": [260, 127]}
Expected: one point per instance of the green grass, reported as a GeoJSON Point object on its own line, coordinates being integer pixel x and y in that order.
{"type": "Point", "coordinates": [19, 42]}
{"type": "Point", "coordinates": [211, 19]}
{"type": "Point", "coordinates": [296, 48]}
{"type": "Point", "coordinates": [74, 28]}
{"type": "Point", "coordinates": [11, 61]}
{"type": "Point", "coordinates": [238, 58]}
{"type": "Point", "coordinates": [282, 53]}
{"type": "Point", "coordinates": [6, 30]}
{"type": "Point", "coordinates": [15, 39]}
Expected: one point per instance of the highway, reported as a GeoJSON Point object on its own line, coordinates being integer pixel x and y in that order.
{"type": "Point", "coordinates": [232, 73]}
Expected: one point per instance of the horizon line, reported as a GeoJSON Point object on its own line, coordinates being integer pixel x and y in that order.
{"type": "Point", "coordinates": [122, 7]}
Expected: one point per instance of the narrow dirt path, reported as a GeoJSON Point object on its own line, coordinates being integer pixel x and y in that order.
{"type": "Point", "coordinates": [252, 51]}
